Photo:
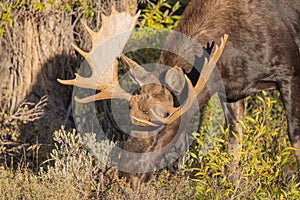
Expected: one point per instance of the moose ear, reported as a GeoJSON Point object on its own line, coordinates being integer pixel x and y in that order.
{"type": "Point", "coordinates": [137, 73]}
{"type": "Point", "coordinates": [175, 80]}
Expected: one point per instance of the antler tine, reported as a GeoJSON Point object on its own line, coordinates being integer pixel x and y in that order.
{"type": "Point", "coordinates": [90, 31]}
{"type": "Point", "coordinates": [144, 122]}
{"type": "Point", "coordinates": [80, 51]}
{"type": "Point", "coordinates": [208, 67]}
{"type": "Point", "coordinates": [113, 10]}
{"type": "Point", "coordinates": [110, 91]}
{"type": "Point", "coordinates": [116, 28]}
{"type": "Point", "coordinates": [194, 91]}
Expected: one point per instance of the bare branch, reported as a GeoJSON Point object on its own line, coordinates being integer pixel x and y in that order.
{"type": "Point", "coordinates": [29, 111]}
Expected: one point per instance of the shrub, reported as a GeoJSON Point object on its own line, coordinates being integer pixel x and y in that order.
{"type": "Point", "coordinates": [267, 166]}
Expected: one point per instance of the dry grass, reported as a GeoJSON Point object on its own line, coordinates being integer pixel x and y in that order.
{"type": "Point", "coordinates": [75, 174]}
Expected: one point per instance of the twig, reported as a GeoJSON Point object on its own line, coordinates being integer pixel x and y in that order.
{"type": "Point", "coordinates": [25, 113]}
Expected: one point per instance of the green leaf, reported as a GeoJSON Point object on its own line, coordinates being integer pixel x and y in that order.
{"type": "Point", "coordinates": [169, 21]}
{"type": "Point", "coordinates": [193, 155]}
{"type": "Point", "coordinates": [176, 6]}
{"type": "Point", "coordinates": [68, 7]}
{"type": "Point", "coordinates": [199, 189]}
{"type": "Point", "coordinates": [166, 13]}
{"type": "Point", "coordinates": [177, 17]}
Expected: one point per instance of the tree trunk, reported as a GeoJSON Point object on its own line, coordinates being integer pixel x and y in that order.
{"type": "Point", "coordinates": [36, 51]}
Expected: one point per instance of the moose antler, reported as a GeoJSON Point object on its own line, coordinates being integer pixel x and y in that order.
{"type": "Point", "coordinates": [107, 44]}
{"type": "Point", "coordinates": [208, 67]}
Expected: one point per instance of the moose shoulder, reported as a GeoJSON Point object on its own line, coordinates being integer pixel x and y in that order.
{"type": "Point", "coordinates": [261, 52]}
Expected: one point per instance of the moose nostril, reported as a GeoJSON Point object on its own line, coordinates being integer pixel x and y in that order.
{"type": "Point", "coordinates": [159, 111]}
{"type": "Point", "coordinates": [147, 96]}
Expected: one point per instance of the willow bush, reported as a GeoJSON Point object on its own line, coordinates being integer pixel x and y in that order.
{"type": "Point", "coordinates": [267, 168]}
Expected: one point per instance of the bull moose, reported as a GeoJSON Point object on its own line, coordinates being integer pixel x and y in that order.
{"type": "Point", "coordinates": [259, 50]}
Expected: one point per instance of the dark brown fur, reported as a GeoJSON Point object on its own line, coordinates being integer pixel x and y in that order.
{"type": "Point", "coordinates": [262, 53]}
